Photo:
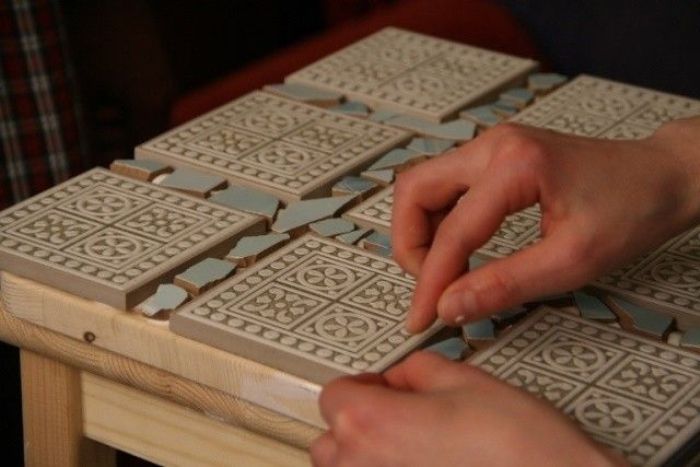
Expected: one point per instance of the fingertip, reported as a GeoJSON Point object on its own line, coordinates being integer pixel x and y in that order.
{"type": "Point", "coordinates": [324, 450]}
{"type": "Point", "coordinates": [457, 307]}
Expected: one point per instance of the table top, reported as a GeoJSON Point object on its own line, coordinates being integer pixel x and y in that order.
{"type": "Point", "coordinates": [144, 352]}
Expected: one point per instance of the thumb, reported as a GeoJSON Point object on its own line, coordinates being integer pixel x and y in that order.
{"type": "Point", "coordinates": [554, 264]}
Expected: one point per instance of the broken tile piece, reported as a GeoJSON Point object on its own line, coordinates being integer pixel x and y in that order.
{"type": "Point", "coordinates": [353, 237]}
{"type": "Point", "coordinates": [519, 97]}
{"type": "Point", "coordinates": [641, 320]}
{"type": "Point", "coordinates": [249, 249]}
{"type": "Point", "coordinates": [306, 94]}
{"type": "Point", "coordinates": [484, 116]}
{"type": "Point", "coordinates": [332, 227]}
{"type": "Point", "coordinates": [381, 177]}
{"type": "Point", "coordinates": [193, 182]}
{"type": "Point", "coordinates": [381, 116]}
{"type": "Point", "coordinates": [504, 108]}
{"type": "Point", "coordinates": [458, 130]}
{"type": "Point", "coordinates": [479, 334]}
{"type": "Point", "coordinates": [142, 169]}
{"type": "Point", "coordinates": [299, 214]}
{"type": "Point", "coordinates": [248, 200]}
{"type": "Point", "coordinates": [543, 82]}
{"type": "Point", "coordinates": [452, 348]}
{"type": "Point", "coordinates": [507, 317]}
{"type": "Point", "coordinates": [204, 275]}
{"type": "Point", "coordinates": [591, 307]}
{"type": "Point", "coordinates": [430, 146]}
{"type": "Point", "coordinates": [377, 243]}
{"type": "Point", "coordinates": [691, 339]}
{"type": "Point", "coordinates": [352, 108]}
{"type": "Point", "coordinates": [397, 159]}
{"type": "Point", "coordinates": [167, 298]}
{"type": "Point", "coordinates": [352, 185]}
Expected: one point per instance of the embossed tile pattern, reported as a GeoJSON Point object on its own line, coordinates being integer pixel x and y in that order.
{"type": "Point", "coordinates": [639, 396]}
{"type": "Point", "coordinates": [110, 238]}
{"type": "Point", "coordinates": [413, 73]}
{"type": "Point", "coordinates": [595, 107]}
{"type": "Point", "coordinates": [289, 149]}
{"type": "Point", "coordinates": [315, 308]}
{"type": "Point", "coordinates": [517, 231]}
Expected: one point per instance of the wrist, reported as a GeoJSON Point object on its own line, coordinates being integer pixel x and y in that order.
{"type": "Point", "coordinates": [678, 142]}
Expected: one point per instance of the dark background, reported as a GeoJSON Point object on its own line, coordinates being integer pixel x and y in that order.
{"type": "Point", "coordinates": [134, 59]}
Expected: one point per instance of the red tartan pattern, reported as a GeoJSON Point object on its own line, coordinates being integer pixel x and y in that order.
{"type": "Point", "coordinates": [40, 136]}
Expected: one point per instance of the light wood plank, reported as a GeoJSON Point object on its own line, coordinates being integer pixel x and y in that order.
{"type": "Point", "coordinates": [151, 342]}
{"type": "Point", "coordinates": [52, 416]}
{"type": "Point", "coordinates": [225, 407]}
{"type": "Point", "coordinates": [169, 434]}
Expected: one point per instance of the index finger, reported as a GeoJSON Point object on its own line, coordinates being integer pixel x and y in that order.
{"type": "Point", "coordinates": [426, 189]}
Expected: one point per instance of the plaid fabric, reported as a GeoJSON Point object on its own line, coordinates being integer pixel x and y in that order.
{"type": "Point", "coordinates": [41, 142]}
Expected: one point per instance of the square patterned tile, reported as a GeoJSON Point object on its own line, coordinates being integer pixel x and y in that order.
{"type": "Point", "coordinates": [316, 308]}
{"type": "Point", "coordinates": [595, 107]}
{"type": "Point", "coordinates": [415, 74]}
{"type": "Point", "coordinates": [638, 396]}
{"type": "Point", "coordinates": [289, 149]}
{"type": "Point", "coordinates": [113, 239]}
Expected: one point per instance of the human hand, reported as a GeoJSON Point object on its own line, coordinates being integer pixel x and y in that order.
{"type": "Point", "coordinates": [433, 412]}
{"type": "Point", "coordinates": [603, 203]}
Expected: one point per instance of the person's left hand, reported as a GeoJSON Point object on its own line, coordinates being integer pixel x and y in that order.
{"type": "Point", "coordinates": [433, 412]}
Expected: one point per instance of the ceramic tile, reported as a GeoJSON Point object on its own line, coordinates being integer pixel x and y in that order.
{"type": "Point", "coordinates": [591, 307]}
{"type": "Point", "coordinates": [397, 160]}
{"type": "Point", "coordinates": [352, 185]}
{"type": "Point", "coordinates": [381, 177]}
{"type": "Point", "coordinates": [453, 348]}
{"type": "Point", "coordinates": [544, 82]}
{"type": "Point", "coordinates": [457, 130]}
{"type": "Point", "coordinates": [638, 396]}
{"type": "Point", "coordinates": [353, 237]}
{"type": "Point", "coordinates": [483, 115]}
{"type": "Point", "coordinates": [296, 216]}
{"type": "Point", "coordinates": [352, 108]}
{"type": "Point", "coordinates": [288, 149]}
{"type": "Point", "coordinates": [641, 320]}
{"type": "Point", "coordinates": [479, 334]}
{"type": "Point", "coordinates": [378, 243]}
{"type": "Point", "coordinates": [331, 227]}
{"type": "Point", "coordinates": [316, 308]}
{"type": "Point", "coordinates": [414, 74]}
{"type": "Point", "coordinates": [113, 239]}
{"type": "Point", "coordinates": [430, 146]}
{"type": "Point", "coordinates": [247, 200]}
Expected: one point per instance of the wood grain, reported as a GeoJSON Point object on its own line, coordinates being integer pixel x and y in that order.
{"type": "Point", "coordinates": [226, 407]}
{"type": "Point", "coordinates": [169, 434]}
{"type": "Point", "coordinates": [150, 342]}
{"type": "Point", "coordinates": [52, 416]}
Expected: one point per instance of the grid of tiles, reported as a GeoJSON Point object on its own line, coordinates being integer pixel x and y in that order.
{"type": "Point", "coordinates": [639, 396]}
{"type": "Point", "coordinates": [414, 74]}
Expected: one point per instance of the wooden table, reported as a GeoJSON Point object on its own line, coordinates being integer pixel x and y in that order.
{"type": "Point", "coordinates": [96, 378]}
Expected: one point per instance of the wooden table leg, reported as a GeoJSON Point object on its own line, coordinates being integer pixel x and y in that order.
{"type": "Point", "coordinates": [52, 416]}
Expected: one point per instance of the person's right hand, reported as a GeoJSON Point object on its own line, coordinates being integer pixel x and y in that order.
{"type": "Point", "coordinates": [603, 203]}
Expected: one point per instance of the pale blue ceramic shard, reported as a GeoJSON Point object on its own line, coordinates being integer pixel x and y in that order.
{"type": "Point", "coordinates": [591, 307]}
{"type": "Point", "coordinates": [248, 200]}
{"type": "Point", "coordinates": [331, 227]}
{"type": "Point", "coordinates": [302, 213]}
{"type": "Point", "coordinates": [193, 182]}
{"type": "Point", "coordinates": [452, 348]}
{"type": "Point", "coordinates": [167, 298]}
{"type": "Point", "coordinates": [351, 185]}
{"type": "Point", "coordinates": [396, 159]}
{"type": "Point", "coordinates": [353, 237]}
{"type": "Point", "coordinates": [430, 146]}
{"type": "Point", "coordinates": [352, 108]}
{"type": "Point", "coordinates": [249, 249]}
{"type": "Point", "coordinates": [204, 274]}
{"type": "Point", "coordinates": [307, 94]}
{"type": "Point", "coordinates": [483, 115]}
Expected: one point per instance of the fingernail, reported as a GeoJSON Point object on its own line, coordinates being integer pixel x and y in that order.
{"type": "Point", "coordinates": [455, 307]}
